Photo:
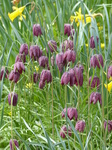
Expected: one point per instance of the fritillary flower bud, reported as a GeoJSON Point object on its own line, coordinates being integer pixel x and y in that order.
{"type": "Point", "coordinates": [94, 82]}
{"type": "Point", "coordinates": [109, 125]}
{"type": "Point", "coordinates": [71, 113]}
{"type": "Point", "coordinates": [60, 61]}
{"type": "Point", "coordinates": [23, 49]}
{"type": "Point", "coordinates": [63, 131]}
{"type": "Point", "coordinates": [52, 46]}
{"type": "Point", "coordinates": [14, 97]}
{"type": "Point", "coordinates": [109, 72]}
{"type": "Point", "coordinates": [96, 60]}
{"type": "Point", "coordinates": [92, 42]}
{"type": "Point", "coordinates": [65, 79]}
{"type": "Point", "coordinates": [69, 55]}
{"type": "Point", "coordinates": [14, 76]}
{"type": "Point", "coordinates": [37, 30]}
{"type": "Point", "coordinates": [80, 125]}
{"type": "Point", "coordinates": [67, 44]}
{"type": "Point", "coordinates": [43, 61]}
{"type": "Point", "coordinates": [94, 97]}
{"type": "Point", "coordinates": [2, 73]}
{"type": "Point", "coordinates": [67, 29]}
{"type": "Point", "coordinates": [19, 66]}
{"type": "Point", "coordinates": [35, 52]}
{"type": "Point", "coordinates": [72, 32]}
{"type": "Point", "coordinates": [20, 58]}
{"type": "Point", "coordinates": [13, 143]}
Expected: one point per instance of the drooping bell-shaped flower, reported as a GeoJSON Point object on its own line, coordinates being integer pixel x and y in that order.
{"type": "Point", "coordinates": [60, 61]}
{"type": "Point", "coordinates": [43, 61]}
{"type": "Point", "coordinates": [52, 60]}
{"type": "Point", "coordinates": [14, 98]}
{"type": "Point", "coordinates": [13, 144]}
{"type": "Point", "coordinates": [71, 113]}
{"type": "Point", "coordinates": [94, 97]}
{"type": "Point", "coordinates": [80, 125]}
{"type": "Point", "coordinates": [52, 46]}
{"type": "Point", "coordinates": [37, 30]}
{"type": "Point", "coordinates": [19, 67]}
{"type": "Point", "coordinates": [23, 49]}
{"type": "Point", "coordinates": [109, 125]}
{"type": "Point", "coordinates": [78, 76]}
{"type": "Point", "coordinates": [35, 52]}
{"type": "Point", "coordinates": [67, 29]}
{"type": "Point", "coordinates": [2, 73]}
{"type": "Point", "coordinates": [65, 79]}
{"type": "Point", "coordinates": [96, 60]}
{"type": "Point", "coordinates": [94, 82]}
{"type": "Point", "coordinates": [72, 77]}
{"type": "Point", "coordinates": [63, 131]}
{"type": "Point", "coordinates": [69, 55]}
{"type": "Point", "coordinates": [14, 76]}
{"type": "Point", "coordinates": [67, 44]}
{"type": "Point", "coordinates": [92, 42]}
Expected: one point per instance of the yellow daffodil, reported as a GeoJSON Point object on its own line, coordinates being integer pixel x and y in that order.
{"type": "Point", "coordinates": [80, 17]}
{"type": "Point", "coordinates": [108, 86]}
{"type": "Point", "coordinates": [102, 45]}
{"type": "Point", "coordinates": [36, 68]}
{"type": "Point", "coordinates": [16, 13]}
{"type": "Point", "coordinates": [29, 85]}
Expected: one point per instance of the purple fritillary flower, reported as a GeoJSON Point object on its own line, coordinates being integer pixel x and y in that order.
{"type": "Point", "coordinates": [52, 46]}
{"type": "Point", "coordinates": [43, 61]}
{"type": "Point", "coordinates": [109, 125]}
{"type": "Point", "coordinates": [35, 52]}
{"type": "Point", "coordinates": [71, 113]}
{"type": "Point", "coordinates": [46, 76]}
{"type": "Point", "coordinates": [95, 82]}
{"type": "Point", "coordinates": [96, 60]}
{"type": "Point", "coordinates": [63, 131]}
{"type": "Point", "coordinates": [78, 76]}
{"type": "Point", "coordinates": [60, 61]}
{"type": "Point", "coordinates": [67, 29]}
{"type": "Point", "coordinates": [69, 55]}
{"type": "Point", "coordinates": [19, 66]}
{"type": "Point", "coordinates": [94, 97]}
{"type": "Point", "coordinates": [23, 49]}
{"type": "Point", "coordinates": [80, 125]}
{"type": "Point", "coordinates": [20, 58]}
{"type": "Point", "coordinates": [14, 76]}
{"type": "Point", "coordinates": [67, 44]}
{"type": "Point", "coordinates": [15, 142]}
{"type": "Point", "coordinates": [65, 79]}
{"type": "Point", "coordinates": [14, 98]}
{"type": "Point", "coordinates": [92, 42]}
{"type": "Point", "coordinates": [35, 77]}
{"type": "Point", "coordinates": [2, 73]}
{"type": "Point", "coordinates": [37, 30]}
